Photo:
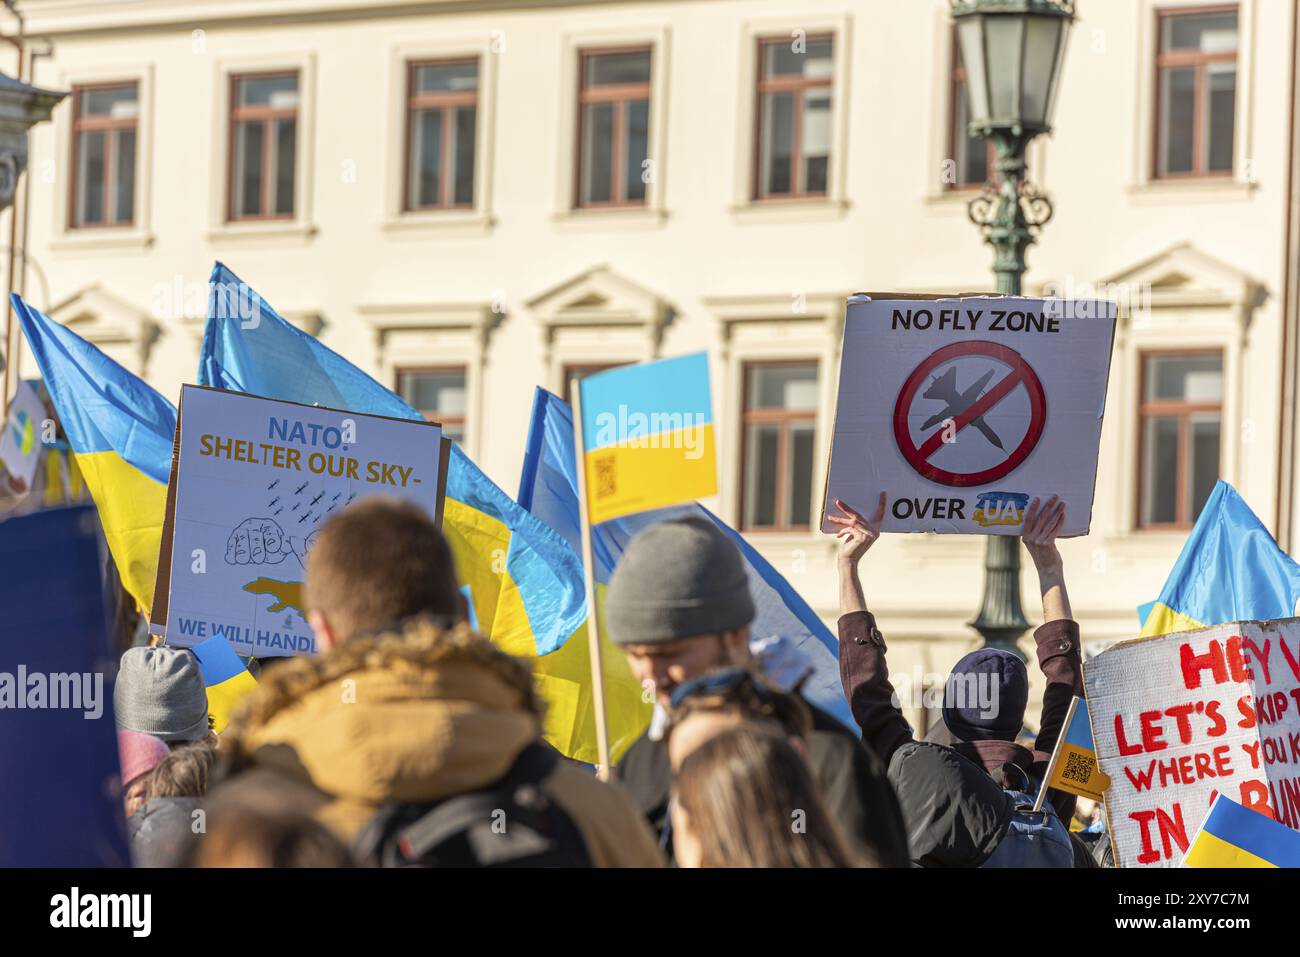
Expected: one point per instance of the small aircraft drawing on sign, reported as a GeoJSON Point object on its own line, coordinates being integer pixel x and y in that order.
{"type": "Point", "coordinates": [943, 388]}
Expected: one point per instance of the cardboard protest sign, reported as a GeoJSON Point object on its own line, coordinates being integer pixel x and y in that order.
{"type": "Point", "coordinates": [20, 444]}
{"type": "Point", "coordinates": [1179, 718]}
{"type": "Point", "coordinates": [963, 409]}
{"type": "Point", "coordinates": [61, 803]}
{"type": "Point", "coordinates": [253, 480]}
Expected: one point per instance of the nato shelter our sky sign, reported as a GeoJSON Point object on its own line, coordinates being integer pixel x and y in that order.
{"type": "Point", "coordinates": [964, 409]}
{"type": "Point", "coordinates": [255, 481]}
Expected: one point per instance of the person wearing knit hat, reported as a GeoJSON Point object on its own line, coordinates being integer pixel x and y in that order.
{"type": "Point", "coordinates": [679, 603]}
{"type": "Point", "coordinates": [680, 608]}
{"type": "Point", "coordinates": [160, 691]}
{"type": "Point", "coordinates": [137, 755]}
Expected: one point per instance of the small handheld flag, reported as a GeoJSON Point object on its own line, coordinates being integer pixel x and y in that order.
{"type": "Point", "coordinates": [1073, 767]}
{"type": "Point", "coordinates": [1233, 835]}
{"type": "Point", "coordinates": [645, 440]}
{"type": "Point", "coordinates": [647, 437]}
{"type": "Point", "coordinates": [224, 676]}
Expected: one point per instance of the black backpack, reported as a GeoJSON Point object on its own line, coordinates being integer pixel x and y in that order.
{"type": "Point", "coordinates": [511, 823]}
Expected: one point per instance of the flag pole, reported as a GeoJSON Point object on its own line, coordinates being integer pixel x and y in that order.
{"type": "Point", "coordinates": [1056, 756]}
{"type": "Point", "coordinates": [604, 771]}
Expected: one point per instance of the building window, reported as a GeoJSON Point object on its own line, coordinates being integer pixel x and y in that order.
{"type": "Point", "coordinates": [441, 132]}
{"type": "Point", "coordinates": [1196, 92]}
{"type": "Point", "coordinates": [972, 156]}
{"type": "Point", "coordinates": [1179, 427]}
{"type": "Point", "coordinates": [439, 395]}
{"type": "Point", "coordinates": [263, 145]}
{"type": "Point", "coordinates": [580, 371]}
{"type": "Point", "coordinates": [104, 128]}
{"type": "Point", "coordinates": [613, 127]}
{"type": "Point", "coordinates": [779, 422]}
{"type": "Point", "coordinates": [794, 118]}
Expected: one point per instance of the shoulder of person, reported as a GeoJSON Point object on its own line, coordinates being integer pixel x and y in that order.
{"type": "Point", "coordinates": [614, 828]}
{"type": "Point", "coordinates": [831, 739]}
{"type": "Point", "coordinates": [646, 773]}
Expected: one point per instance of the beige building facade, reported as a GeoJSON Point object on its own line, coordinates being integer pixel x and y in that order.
{"type": "Point", "coordinates": [470, 199]}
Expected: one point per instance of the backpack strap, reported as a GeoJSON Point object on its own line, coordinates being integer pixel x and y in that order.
{"type": "Point", "coordinates": [459, 813]}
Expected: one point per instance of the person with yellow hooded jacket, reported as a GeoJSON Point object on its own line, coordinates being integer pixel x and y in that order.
{"type": "Point", "coordinates": [391, 720]}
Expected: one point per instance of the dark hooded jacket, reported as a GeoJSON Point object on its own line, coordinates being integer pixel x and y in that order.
{"type": "Point", "coordinates": [162, 831]}
{"type": "Point", "coordinates": [852, 782]}
{"type": "Point", "coordinates": [865, 677]}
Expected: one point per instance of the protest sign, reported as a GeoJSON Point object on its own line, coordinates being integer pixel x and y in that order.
{"type": "Point", "coordinates": [963, 409]}
{"type": "Point", "coordinates": [253, 480]}
{"type": "Point", "coordinates": [20, 445]}
{"type": "Point", "coordinates": [1179, 718]}
{"type": "Point", "coordinates": [61, 803]}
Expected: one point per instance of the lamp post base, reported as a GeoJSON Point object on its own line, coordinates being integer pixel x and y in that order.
{"type": "Point", "coordinates": [1001, 620]}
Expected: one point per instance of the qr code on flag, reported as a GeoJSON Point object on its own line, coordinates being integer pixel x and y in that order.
{"type": "Point", "coordinates": [1079, 767]}
{"type": "Point", "coordinates": [606, 476]}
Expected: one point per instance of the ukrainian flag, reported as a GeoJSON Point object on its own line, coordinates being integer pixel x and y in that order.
{"type": "Point", "coordinates": [1074, 764]}
{"type": "Point", "coordinates": [530, 604]}
{"type": "Point", "coordinates": [121, 432]}
{"type": "Point", "coordinates": [1230, 569]}
{"type": "Point", "coordinates": [224, 676]}
{"type": "Point", "coordinates": [1233, 835]}
{"type": "Point", "coordinates": [647, 432]}
{"type": "Point", "coordinates": [794, 644]}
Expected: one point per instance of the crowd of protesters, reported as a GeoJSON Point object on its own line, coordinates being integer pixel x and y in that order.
{"type": "Point", "coordinates": [410, 740]}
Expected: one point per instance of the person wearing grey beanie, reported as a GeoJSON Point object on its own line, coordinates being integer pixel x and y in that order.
{"type": "Point", "coordinates": [679, 606]}
{"type": "Point", "coordinates": [160, 691]}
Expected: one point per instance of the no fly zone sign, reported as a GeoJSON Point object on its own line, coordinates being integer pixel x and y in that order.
{"type": "Point", "coordinates": [963, 409]}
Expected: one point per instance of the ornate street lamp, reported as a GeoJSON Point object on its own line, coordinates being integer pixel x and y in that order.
{"type": "Point", "coordinates": [1011, 54]}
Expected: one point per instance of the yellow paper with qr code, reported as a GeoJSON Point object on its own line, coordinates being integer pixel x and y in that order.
{"type": "Point", "coordinates": [1076, 771]}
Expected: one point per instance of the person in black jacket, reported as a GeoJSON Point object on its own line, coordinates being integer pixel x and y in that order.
{"type": "Point", "coordinates": [679, 606]}
{"type": "Point", "coordinates": [982, 737]}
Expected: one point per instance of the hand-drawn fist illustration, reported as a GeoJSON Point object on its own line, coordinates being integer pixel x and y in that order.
{"type": "Point", "coordinates": [257, 541]}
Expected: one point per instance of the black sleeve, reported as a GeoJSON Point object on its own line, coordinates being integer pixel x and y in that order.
{"type": "Point", "coordinates": [859, 797]}
{"type": "Point", "coordinates": [646, 774]}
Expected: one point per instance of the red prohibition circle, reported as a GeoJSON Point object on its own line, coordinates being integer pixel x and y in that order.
{"type": "Point", "coordinates": [1021, 373]}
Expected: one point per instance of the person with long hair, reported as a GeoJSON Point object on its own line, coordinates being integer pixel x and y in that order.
{"type": "Point", "coordinates": [745, 798]}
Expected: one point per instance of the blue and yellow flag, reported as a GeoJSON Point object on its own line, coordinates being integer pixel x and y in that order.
{"type": "Point", "coordinates": [530, 604]}
{"type": "Point", "coordinates": [225, 678]}
{"type": "Point", "coordinates": [1233, 835]}
{"type": "Point", "coordinates": [647, 432]}
{"type": "Point", "coordinates": [121, 432]}
{"type": "Point", "coordinates": [1230, 569]}
{"type": "Point", "coordinates": [1074, 762]}
{"type": "Point", "coordinates": [792, 641]}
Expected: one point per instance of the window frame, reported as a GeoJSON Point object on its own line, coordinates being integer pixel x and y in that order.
{"type": "Point", "coordinates": [798, 86]}
{"type": "Point", "coordinates": [444, 421]}
{"type": "Point", "coordinates": [267, 116]}
{"type": "Point", "coordinates": [1198, 62]}
{"type": "Point", "coordinates": [1184, 411]}
{"type": "Point", "coordinates": [620, 96]}
{"type": "Point", "coordinates": [80, 124]}
{"type": "Point", "coordinates": [448, 102]}
{"type": "Point", "coordinates": [587, 368]}
{"type": "Point", "coordinates": [784, 418]}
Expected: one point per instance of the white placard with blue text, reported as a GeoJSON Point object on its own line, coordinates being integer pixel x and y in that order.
{"type": "Point", "coordinates": [255, 481]}
{"type": "Point", "coordinates": [962, 410]}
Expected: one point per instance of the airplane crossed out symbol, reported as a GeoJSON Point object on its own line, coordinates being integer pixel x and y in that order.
{"type": "Point", "coordinates": [944, 389]}
{"type": "Point", "coordinates": [967, 407]}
